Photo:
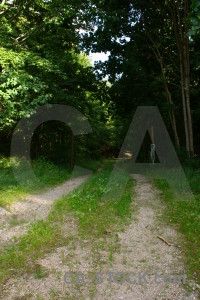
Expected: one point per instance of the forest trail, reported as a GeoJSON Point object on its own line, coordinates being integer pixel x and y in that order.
{"type": "Point", "coordinates": [15, 221]}
{"type": "Point", "coordinates": [139, 251]}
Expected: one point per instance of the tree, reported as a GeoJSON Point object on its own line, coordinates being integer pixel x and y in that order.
{"type": "Point", "coordinates": [119, 25]}
{"type": "Point", "coordinates": [41, 62]}
{"type": "Point", "coordinates": [180, 20]}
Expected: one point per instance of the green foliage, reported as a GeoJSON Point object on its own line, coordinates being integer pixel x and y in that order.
{"type": "Point", "coordinates": [145, 42]}
{"type": "Point", "coordinates": [195, 17]}
{"type": "Point", "coordinates": [21, 91]}
{"type": "Point", "coordinates": [41, 63]}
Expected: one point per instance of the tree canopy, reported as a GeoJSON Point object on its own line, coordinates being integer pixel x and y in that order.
{"type": "Point", "coordinates": [154, 60]}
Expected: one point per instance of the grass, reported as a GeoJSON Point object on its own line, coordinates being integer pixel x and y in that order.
{"type": "Point", "coordinates": [89, 208]}
{"type": "Point", "coordinates": [186, 216]}
{"type": "Point", "coordinates": [96, 218]}
{"type": "Point", "coordinates": [48, 175]}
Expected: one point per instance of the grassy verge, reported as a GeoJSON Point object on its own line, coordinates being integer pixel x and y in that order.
{"type": "Point", "coordinates": [49, 175]}
{"type": "Point", "coordinates": [96, 218]}
{"type": "Point", "coordinates": [186, 216]}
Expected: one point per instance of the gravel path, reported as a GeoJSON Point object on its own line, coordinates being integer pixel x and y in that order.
{"type": "Point", "coordinates": [16, 221]}
{"type": "Point", "coordinates": [141, 251]}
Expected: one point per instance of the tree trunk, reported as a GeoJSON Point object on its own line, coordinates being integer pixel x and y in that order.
{"type": "Point", "coordinates": [173, 122]}
{"type": "Point", "coordinates": [172, 116]}
{"type": "Point", "coordinates": [72, 152]}
{"type": "Point", "coordinates": [181, 28]}
{"type": "Point", "coordinates": [184, 111]}
{"type": "Point", "coordinates": [159, 58]}
{"type": "Point", "coordinates": [169, 98]}
{"type": "Point", "coordinates": [187, 75]}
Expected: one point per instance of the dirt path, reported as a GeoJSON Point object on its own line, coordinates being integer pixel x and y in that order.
{"type": "Point", "coordinates": [16, 221]}
{"type": "Point", "coordinates": [139, 251]}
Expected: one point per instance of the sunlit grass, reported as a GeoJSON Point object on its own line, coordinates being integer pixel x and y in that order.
{"type": "Point", "coordinates": [96, 218]}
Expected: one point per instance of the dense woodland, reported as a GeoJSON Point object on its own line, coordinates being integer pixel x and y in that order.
{"type": "Point", "coordinates": [154, 59]}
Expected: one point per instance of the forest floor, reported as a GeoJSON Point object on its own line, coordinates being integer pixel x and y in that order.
{"type": "Point", "coordinates": [131, 261]}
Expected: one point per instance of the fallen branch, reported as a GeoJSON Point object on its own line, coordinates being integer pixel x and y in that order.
{"type": "Point", "coordinates": [164, 240]}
